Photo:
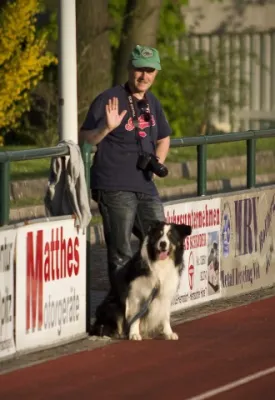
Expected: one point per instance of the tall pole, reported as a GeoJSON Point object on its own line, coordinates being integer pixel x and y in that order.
{"type": "Point", "coordinates": [67, 71]}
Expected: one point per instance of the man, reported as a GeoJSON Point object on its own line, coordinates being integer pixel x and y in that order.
{"type": "Point", "coordinates": [125, 122]}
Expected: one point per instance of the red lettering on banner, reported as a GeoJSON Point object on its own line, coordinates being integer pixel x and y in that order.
{"type": "Point", "coordinates": [53, 260]}
{"type": "Point", "coordinates": [34, 281]}
{"type": "Point", "coordinates": [198, 241]}
{"type": "Point", "coordinates": [76, 256]}
{"type": "Point", "coordinates": [197, 219]}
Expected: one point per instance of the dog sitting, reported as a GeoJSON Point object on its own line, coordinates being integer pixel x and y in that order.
{"type": "Point", "coordinates": [140, 306]}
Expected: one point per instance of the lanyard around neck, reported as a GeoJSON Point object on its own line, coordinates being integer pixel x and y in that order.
{"type": "Point", "coordinates": [133, 111]}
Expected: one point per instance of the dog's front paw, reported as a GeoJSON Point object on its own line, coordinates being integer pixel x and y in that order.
{"type": "Point", "coordinates": [135, 336]}
{"type": "Point", "coordinates": [172, 336]}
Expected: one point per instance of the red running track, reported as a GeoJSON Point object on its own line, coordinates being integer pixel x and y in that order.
{"type": "Point", "coordinates": [211, 352]}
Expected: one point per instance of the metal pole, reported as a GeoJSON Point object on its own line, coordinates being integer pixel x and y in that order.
{"type": "Point", "coordinates": [67, 71]}
{"type": "Point", "coordinates": [250, 163]}
{"type": "Point", "coordinates": [86, 156]}
{"type": "Point", "coordinates": [4, 193]}
{"type": "Point", "coordinates": [202, 169]}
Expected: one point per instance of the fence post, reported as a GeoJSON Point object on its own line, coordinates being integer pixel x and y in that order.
{"type": "Point", "coordinates": [250, 163]}
{"type": "Point", "coordinates": [202, 169]}
{"type": "Point", "coordinates": [4, 193]}
{"type": "Point", "coordinates": [86, 156]}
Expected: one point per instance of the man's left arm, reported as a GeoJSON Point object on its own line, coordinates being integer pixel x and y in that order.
{"type": "Point", "coordinates": [162, 149]}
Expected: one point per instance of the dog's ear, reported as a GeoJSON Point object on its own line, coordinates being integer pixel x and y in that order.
{"type": "Point", "coordinates": [154, 224]}
{"type": "Point", "coordinates": [183, 230]}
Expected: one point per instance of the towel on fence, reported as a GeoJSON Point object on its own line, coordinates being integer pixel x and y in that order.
{"type": "Point", "coordinates": [67, 191]}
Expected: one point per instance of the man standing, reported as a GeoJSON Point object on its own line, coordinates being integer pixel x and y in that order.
{"type": "Point", "coordinates": [128, 126]}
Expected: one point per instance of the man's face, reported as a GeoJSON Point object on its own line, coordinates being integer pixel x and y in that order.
{"type": "Point", "coordinates": [142, 78]}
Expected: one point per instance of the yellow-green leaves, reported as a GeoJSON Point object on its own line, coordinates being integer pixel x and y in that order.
{"type": "Point", "coordinates": [23, 58]}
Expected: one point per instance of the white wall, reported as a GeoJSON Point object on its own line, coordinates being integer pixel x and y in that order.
{"type": "Point", "coordinates": [206, 16]}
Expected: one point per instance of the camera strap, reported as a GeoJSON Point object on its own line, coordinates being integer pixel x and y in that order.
{"type": "Point", "coordinates": [134, 115]}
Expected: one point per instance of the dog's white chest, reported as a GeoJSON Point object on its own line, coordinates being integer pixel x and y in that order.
{"type": "Point", "coordinates": [168, 277]}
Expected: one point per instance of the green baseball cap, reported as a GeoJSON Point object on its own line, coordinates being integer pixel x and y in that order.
{"type": "Point", "coordinates": [143, 56]}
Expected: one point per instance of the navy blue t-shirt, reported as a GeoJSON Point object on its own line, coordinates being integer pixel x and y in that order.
{"type": "Point", "coordinates": [115, 161]}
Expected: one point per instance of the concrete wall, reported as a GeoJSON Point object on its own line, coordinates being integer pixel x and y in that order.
{"type": "Point", "coordinates": [205, 16]}
{"type": "Point", "coordinates": [253, 25]}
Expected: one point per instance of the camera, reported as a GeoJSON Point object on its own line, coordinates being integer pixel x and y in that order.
{"type": "Point", "coordinates": [148, 162]}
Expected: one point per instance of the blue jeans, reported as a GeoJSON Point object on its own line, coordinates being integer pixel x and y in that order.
{"type": "Point", "coordinates": [124, 213]}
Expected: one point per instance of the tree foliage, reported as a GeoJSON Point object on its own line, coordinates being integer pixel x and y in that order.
{"type": "Point", "coordinates": [23, 58]}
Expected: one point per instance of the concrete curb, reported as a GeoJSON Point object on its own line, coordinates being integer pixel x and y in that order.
{"type": "Point", "coordinates": [235, 165]}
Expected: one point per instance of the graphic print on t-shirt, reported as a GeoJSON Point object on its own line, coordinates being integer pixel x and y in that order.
{"type": "Point", "coordinates": [142, 124]}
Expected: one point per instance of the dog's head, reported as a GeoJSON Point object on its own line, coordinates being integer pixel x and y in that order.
{"type": "Point", "coordinates": [167, 241]}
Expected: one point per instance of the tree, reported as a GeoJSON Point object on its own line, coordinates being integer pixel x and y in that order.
{"type": "Point", "coordinates": [93, 51]}
{"type": "Point", "coordinates": [23, 58]}
{"type": "Point", "coordinates": [140, 26]}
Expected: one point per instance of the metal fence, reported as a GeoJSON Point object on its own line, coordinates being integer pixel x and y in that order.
{"type": "Point", "coordinates": [200, 142]}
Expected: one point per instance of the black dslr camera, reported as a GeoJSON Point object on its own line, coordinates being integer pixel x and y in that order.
{"type": "Point", "coordinates": [148, 162]}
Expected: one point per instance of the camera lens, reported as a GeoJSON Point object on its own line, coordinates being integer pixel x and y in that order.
{"type": "Point", "coordinates": [162, 171]}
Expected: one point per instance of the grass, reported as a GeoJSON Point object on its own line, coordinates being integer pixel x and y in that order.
{"type": "Point", "coordinates": [34, 201]}
{"type": "Point", "coordinates": [215, 151]}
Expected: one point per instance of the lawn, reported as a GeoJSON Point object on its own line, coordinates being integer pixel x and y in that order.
{"type": "Point", "coordinates": [39, 168]}
{"type": "Point", "coordinates": [219, 150]}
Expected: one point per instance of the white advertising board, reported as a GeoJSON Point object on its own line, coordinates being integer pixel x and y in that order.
{"type": "Point", "coordinates": [7, 243]}
{"type": "Point", "coordinates": [50, 283]}
{"type": "Point", "coordinates": [200, 278]}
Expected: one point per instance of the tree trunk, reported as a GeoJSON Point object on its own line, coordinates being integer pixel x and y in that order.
{"type": "Point", "coordinates": [93, 52]}
{"type": "Point", "coordinates": [140, 26]}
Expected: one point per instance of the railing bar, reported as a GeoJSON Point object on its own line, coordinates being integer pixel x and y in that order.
{"type": "Point", "coordinates": [63, 150]}
{"type": "Point", "coordinates": [202, 170]}
{"type": "Point", "coordinates": [223, 138]}
{"type": "Point", "coordinates": [4, 193]}
{"type": "Point", "coordinates": [250, 163]}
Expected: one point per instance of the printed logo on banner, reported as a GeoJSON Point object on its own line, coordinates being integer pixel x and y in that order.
{"type": "Point", "coordinates": [191, 270]}
{"type": "Point", "coordinates": [269, 257]}
{"type": "Point", "coordinates": [267, 234]}
{"type": "Point", "coordinates": [267, 231]}
{"type": "Point", "coordinates": [52, 294]}
{"type": "Point", "coordinates": [213, 263]}
{"type": "Point", "coordinates": [7, 242]}
{"type": "Point", "coordinates": [246, 223]}
{"type": "Point", "coordinates": [226, 232]}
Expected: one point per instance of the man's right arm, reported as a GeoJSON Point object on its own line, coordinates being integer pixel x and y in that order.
{"type": "Point", "coordinates": [101, 125]}
{"type": "Point", "coordinates": [93, 136]}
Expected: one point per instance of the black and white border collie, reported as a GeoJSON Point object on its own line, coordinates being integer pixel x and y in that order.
{"type": "Point", "coordinates": [140, 306]}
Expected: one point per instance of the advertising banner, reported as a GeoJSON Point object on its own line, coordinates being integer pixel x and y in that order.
{"type": "Point", "coordinates": [7, 243]}
{"type": "Point", "coordinates": [200, 277]}
{"type": "Point", "coordinates": [50, 283]}
{"type": "Point", "coordinates": [247, 241]}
